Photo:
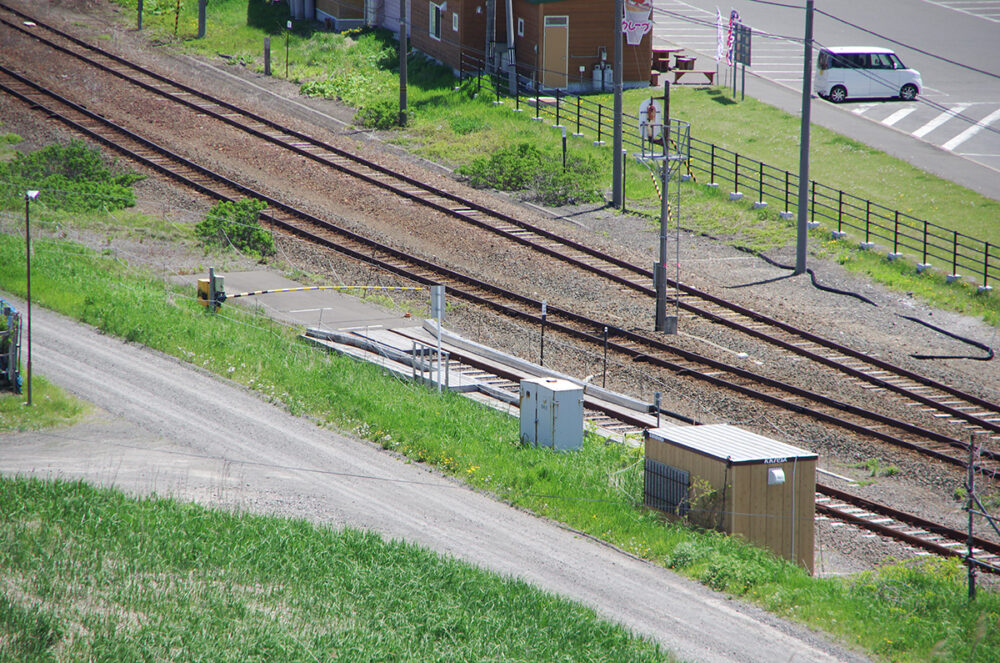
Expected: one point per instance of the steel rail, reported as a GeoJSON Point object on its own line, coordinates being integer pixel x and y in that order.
{"type": "Point", "coordinates": [925, 538]}
{"type": "Point", "coordinates": [485, 294]}
{"type": "Point", "coordinates": [465, 207]}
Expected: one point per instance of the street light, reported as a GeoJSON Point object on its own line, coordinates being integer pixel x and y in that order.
{"type": "Point", "coordinates": [28, 197]}
{"type": "Point", "coordinates": [288, 31]}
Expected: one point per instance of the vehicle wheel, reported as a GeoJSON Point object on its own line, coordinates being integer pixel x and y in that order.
{"type": "Point", "coordinates": [909, 92]}
{"type": "Point", "coordinates": [838, 94]}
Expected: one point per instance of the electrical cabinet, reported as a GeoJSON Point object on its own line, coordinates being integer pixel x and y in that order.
{"type": "Point", "coordinates": [552, 413]}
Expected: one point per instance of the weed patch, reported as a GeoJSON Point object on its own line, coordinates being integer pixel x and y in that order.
{"type": "Point", "coordinates": [71, 177]}
{"type": "Point", "coordinates": [237, 224]}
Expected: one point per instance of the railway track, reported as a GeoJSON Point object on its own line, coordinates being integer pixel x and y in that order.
{"type": "Point", "coordinates": [967, 413]}
{"type": "Point", "coordinates": [631, 345]}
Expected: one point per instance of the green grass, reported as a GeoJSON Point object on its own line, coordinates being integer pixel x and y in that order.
{"type": "Point", "coordinates": [50, 407]}
{"type": "Point", "coordinates": [596, 490]}
{"type": "Point", "coordinates": [90, 575]}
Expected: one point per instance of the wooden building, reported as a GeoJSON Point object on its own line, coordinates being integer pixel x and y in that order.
{"type": "Point", "coordinates": [341, 14]}
{"type": "Point", "coordinates": [562, 42]}
{"type": "Point", "coordinates": [738, 482]}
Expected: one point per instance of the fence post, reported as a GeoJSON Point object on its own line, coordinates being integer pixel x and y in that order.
{"type": "Point", "coordinates": [711, 175]}
{"type": "Point", "coordinates": [924, 261]}
{"type": "Point", "coordinates": [895, 235]}
{"type": "Point", "coordinates": [786, 191]}
{"type": "Point", "coordinates": [812, 203]}
{"type": "Point", "coordinates": [736, 172]}
{"type": "Point", "coordinates": [760, 182]}
{"type": "Point", "coordinates": [954, 255]}
{"type": "Point", "coordinates": [558, 123]}
{"type": "Point", "coordinates": [868, 214]}
{"type": "Point", "coordinates": [600, 121]}
{"type": "Point", "coordinates": [986, 265]}
{"type": "Point", "coordinates": [840, 210]}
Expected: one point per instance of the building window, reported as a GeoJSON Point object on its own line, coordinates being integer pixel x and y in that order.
{"type": "Point", "coordinates": [520, 27]}
{"type": "Point", "coordinates": [436, 21]}
{"type": "Point", "coordinates": [454, 21]}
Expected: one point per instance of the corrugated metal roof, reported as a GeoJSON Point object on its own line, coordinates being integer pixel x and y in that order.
{"type": "Point", "coordinates": [723, 441]}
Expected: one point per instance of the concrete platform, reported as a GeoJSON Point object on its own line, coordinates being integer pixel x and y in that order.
{"type": "Point", "coordinates": [323, 309]}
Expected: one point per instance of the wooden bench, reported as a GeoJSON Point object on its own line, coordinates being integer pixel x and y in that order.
{"type": "Point", "coordinates": [654, 77]}
{"type": "Point", "coordinates": [678, 73]}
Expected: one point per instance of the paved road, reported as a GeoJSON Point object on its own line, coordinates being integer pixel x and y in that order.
{"type": "Point", "coordinates": [959, 110]}
{"type": "Point", "coordinates": [173, 430]}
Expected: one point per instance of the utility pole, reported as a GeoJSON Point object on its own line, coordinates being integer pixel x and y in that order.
{"type": "Point", "coordinates": [28, 197]}
{"type": "Point", "coordinates": [802, 226]}
{"type": "Point", "coordinates": [404, 46]}
{"type": "Point", "coordinates": [617, 178]}
{"type": "Point", "coordinates": [971, 487]}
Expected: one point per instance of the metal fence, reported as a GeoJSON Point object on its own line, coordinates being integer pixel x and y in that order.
{"type": "Point", "coordinates": [902, 235]}
{"type": "Point", "coordinates": [10, 347]}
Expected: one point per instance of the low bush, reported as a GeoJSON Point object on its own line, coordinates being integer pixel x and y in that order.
{"type": "Point", "coordinates": [382, 114]}
{"type": "Point", "coordinates": [236, 224]}
{"type": "Point", "coordinates": [71, 177]}
{"type": "Point", "coordinates": [524, 167]}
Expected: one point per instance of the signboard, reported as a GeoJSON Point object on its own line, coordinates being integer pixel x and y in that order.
{"type": "Point", "coordinates": [741, 46]}
{"type": "Point", "coordinates": [651, 120]}
{"type": "Point", "coordinates": [636, 21]}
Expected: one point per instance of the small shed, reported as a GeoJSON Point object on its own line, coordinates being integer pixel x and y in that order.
{"type": "Point", "coordinates": [738, 482]}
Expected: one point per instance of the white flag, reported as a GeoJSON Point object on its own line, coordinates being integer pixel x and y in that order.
{"type": "Point", "coordinates": [720, 36]}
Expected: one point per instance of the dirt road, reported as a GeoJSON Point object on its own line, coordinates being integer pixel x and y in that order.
{"type": "Point", "coordinates": [163, 427]}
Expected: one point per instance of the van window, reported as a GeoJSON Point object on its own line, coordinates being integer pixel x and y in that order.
{"type": "Point", "coordinates": [823, 61]}
{"type": "Point", "coordinates": [881, 61]}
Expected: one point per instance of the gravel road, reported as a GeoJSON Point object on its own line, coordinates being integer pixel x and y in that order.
{"type": "Point", "coordinates": [164, 427]}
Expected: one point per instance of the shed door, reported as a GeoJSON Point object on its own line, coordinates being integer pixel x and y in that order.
{"type": "Point", "coordinates": [555, 49]}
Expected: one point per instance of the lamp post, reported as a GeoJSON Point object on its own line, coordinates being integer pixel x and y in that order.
{"type": "Point", "coordinates": [28, 197]}
{"type": "Point", "coordinates": [288, 31]}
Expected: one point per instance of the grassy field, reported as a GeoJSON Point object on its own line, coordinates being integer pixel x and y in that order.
{"type": "Point", "coordinates": [92, 575]}
{"type": "Point", "coordinates": [906, 612]}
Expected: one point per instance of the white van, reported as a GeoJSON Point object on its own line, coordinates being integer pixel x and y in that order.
{"type": "Point", "coordinates": [852, 71]}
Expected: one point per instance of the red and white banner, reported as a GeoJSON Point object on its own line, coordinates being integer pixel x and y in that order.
{"type": "Point", "coordinates": [734, 18]}
{"type": "Point", "coordinates": [636, 22]}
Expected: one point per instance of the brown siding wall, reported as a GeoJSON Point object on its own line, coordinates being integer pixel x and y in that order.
{"type": "Point", "coordinates": [343, 9]}
{"type": "Point", "coordinates": [446, 50]}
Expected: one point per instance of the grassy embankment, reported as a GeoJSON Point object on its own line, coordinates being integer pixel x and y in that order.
{"type": "Point", "coordinates": [91, 575]}
{"type": "Point", "coordinates": [904, 612]}
{"type": "Point", "coordinates": [453, 128]}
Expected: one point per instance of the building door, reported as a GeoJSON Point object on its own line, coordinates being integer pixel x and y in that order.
{"type": "Point", "coordinates": [555, 52]}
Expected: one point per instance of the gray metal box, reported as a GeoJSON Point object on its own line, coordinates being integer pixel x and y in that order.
{"type": "Point", "coordinates": [552, 413]}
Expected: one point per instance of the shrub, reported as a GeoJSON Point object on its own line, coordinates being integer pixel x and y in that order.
{"type": "Point", "coordinates": [524, 167]}
{"type": "Point", "coordinates": [382, 114]}
{"type": "Point", "coordinates": [72, 177]}
{"type": "Point", "coordinates": [236, 223]}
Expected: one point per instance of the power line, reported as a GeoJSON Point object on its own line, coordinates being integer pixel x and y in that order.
{"type": "Point", "coordinates": [909, 46]}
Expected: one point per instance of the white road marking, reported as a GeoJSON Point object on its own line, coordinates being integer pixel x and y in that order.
{"type": "Point", "coordinates": [972, 131]}
{"type": "Point", "coordinates": [939, 120]}
{"type": "Point", "coordinates": [863, 108]}
{"type": "Point", "coordinates": [897, 116]}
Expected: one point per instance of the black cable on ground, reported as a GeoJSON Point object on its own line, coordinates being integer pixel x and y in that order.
{"type": "Point", "coordinates": [812, 275]}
